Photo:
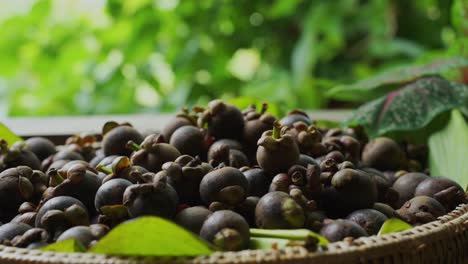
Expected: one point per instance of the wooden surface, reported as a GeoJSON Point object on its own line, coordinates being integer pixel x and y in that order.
{"type": "Point", "coordinates": [69, 125]}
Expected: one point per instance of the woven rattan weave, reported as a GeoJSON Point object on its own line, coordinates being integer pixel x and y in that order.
{"type": "Point", "coordinates": [442, 241]}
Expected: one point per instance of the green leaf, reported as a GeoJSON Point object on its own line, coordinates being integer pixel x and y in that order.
{"type": "Point", "coordinates": [460, 16]}
{"type": "Point", "coordinates": [290, 234]}
{"type": "Point", "coordinates": [447, 150]}
{"type": "Point", "coordinates": [8, 135]}
{"type": "Point", "coordinates": [388, 80]}
{"type": "Point", "coordinates": [393, 225]}
{"type": "Point", "coordinates": [411, 107]}
{"type": "Point", "coordinates": [150, 236]}
{"type": "Point", "coordinates": [283, 8]}
{"type": "Point", "coordinates": [69, 246]}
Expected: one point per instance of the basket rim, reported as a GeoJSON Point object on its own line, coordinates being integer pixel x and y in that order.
{"type": "Point", "coordinates": [451, 221]}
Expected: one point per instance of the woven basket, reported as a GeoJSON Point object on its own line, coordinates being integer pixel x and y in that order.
{"type": "Point", "coordinates": [442, 241]}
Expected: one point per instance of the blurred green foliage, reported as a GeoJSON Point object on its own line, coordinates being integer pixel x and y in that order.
{"type": "Point", "coordinates": [160, 55]}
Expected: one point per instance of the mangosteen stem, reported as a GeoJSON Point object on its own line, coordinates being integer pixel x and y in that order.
{"type": "Point", "coordinates": [277, 130]}
{"type": "Point", "coordinates": [3, 146]}
{"type": "Point", "coordinates": [291, 234]}
{"type": "Point", "coordinates": [104, 169]}
{"type": "Point", "coordinates": [55, 178]}
{"type": "Point", "coordinates": [264, 108]}
{"type": "Point", "coordinates": [133, 146]}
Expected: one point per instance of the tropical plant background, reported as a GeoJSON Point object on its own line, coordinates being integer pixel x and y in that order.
{"type": "Point", "coordinates": [74, 57]}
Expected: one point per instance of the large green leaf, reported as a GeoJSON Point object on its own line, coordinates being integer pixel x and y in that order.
{"type": "Point", "coordinates": [69, 246]}
{"type": "Point", "coordinates": [151, 236]}
{"type": "Point", "coordinates": [8, 135]}
{"type": "Point", "coordinates": [389, 80]}
{"type": "Point", "coordinates": [448, 148]}
{"type": "Point", "coordinates": [393, 225]}
{"type": "Point", "coordinates": [411, 107]}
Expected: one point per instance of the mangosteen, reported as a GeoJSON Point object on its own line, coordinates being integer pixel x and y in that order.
{"type": "Point", "coordinates": [369, 219]}
{"type": "Point", "coordinates": [227, 230]}
{"type": "Point", "coordinates": [223, 120]}
{"type": "Point", "coordinates": [185, 118]}
{"type": "Point", "coordinates": [308, 139]}
{"type": "Point", "coordinates": [350, 190]}
{"type": "Point", "coordinates": [386, 193]}
{"type": "Point", "coordinates": [385, 209]}
{"type": "Point", "coordinates": [247, 209]}
{"type": "Point", "coordinates": [277, 210]}
{"type": "Point", "coordinates": [15, 188]}
{"type": "Point", "coordinates": [449, 193]}
{"type": "Point", "coordinates": [28, 218]}
{"type": "Point", "coordinates": [277, 151]}
{"type": "Point", "coordinates": [10, 230]}
{"type": "Point", "coordinates": [305, 160]}
{"type": "Point", "coordinates": [256, 122]}
{"type": "Point", "coordinates": [406, 184]}
{"type": "Point", "coordinates": [122, 168]}
{"type": "Point", "coordinates": [109, 204]}
{"type": "Point", "coordinates": [77, 181]}
{"type": "Point", "coordinates": [192, 218]}
{"type": "Point", "coordinates": [153, 153]}
{"type": "Point", "coordinates": [84, 143]}
{"type": "Point", "coordinates": [86, 235]}
{"type": "Point", "coordinates": [231, 143]}
{"type": "Point", "coordinates": [115, 138]}
{"type": "Point", "coordinates": [295, 116]}
{"type": "Point", "coordinates": [185, 175]}
{"type": "Point", "coordinates": [314, 220]}
{"type": "Point", "coordinates": [383, 153]}
{"type": "Point", "coordinates": [40, 146]}
{"type": "Point", "coordinates": [337, 230]}
{"type": "Point", "coordinates": [226, 185]}
{"type": "Point", "coordinates": [228, 152]}
{"type": "Point", "coordinates": [60, 213]}
{"type": "Point", "coordinates": [32, 236]}
{"type": "Point", "coordinates": [64, 156]}
{"type": "Point", "coordinates": [420, 210]}
{"type": "Point", "coordinates": [258, 180]}
{"type": "Point", "coordinates": [189, 140]}
{"type": "Point", "coordinates": [17, 155]}
{"type": "Point", "coordinates": [156, 198]}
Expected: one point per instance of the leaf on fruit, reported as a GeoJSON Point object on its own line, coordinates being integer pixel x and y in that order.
{"type": "Point", "coordinates": [289, 234]}
{"type": "Point", "coordinates": [387, 81]}
{"type": "Point", "coordinates": [393, 225]}
{"type": "Point", "coordinates": [150, 236]}
{"type": "Point", "coordinates": [8, 135]}
{"type": "Point", "coordinates": [448, 148]}
{"type": "Point", "coordinates": [411, 107]}
{"type": "Point", "coordinates": [68, 246]}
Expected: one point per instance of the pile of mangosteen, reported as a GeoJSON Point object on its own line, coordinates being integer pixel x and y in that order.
{"type": "Point", "coordinates": [217, 172]}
